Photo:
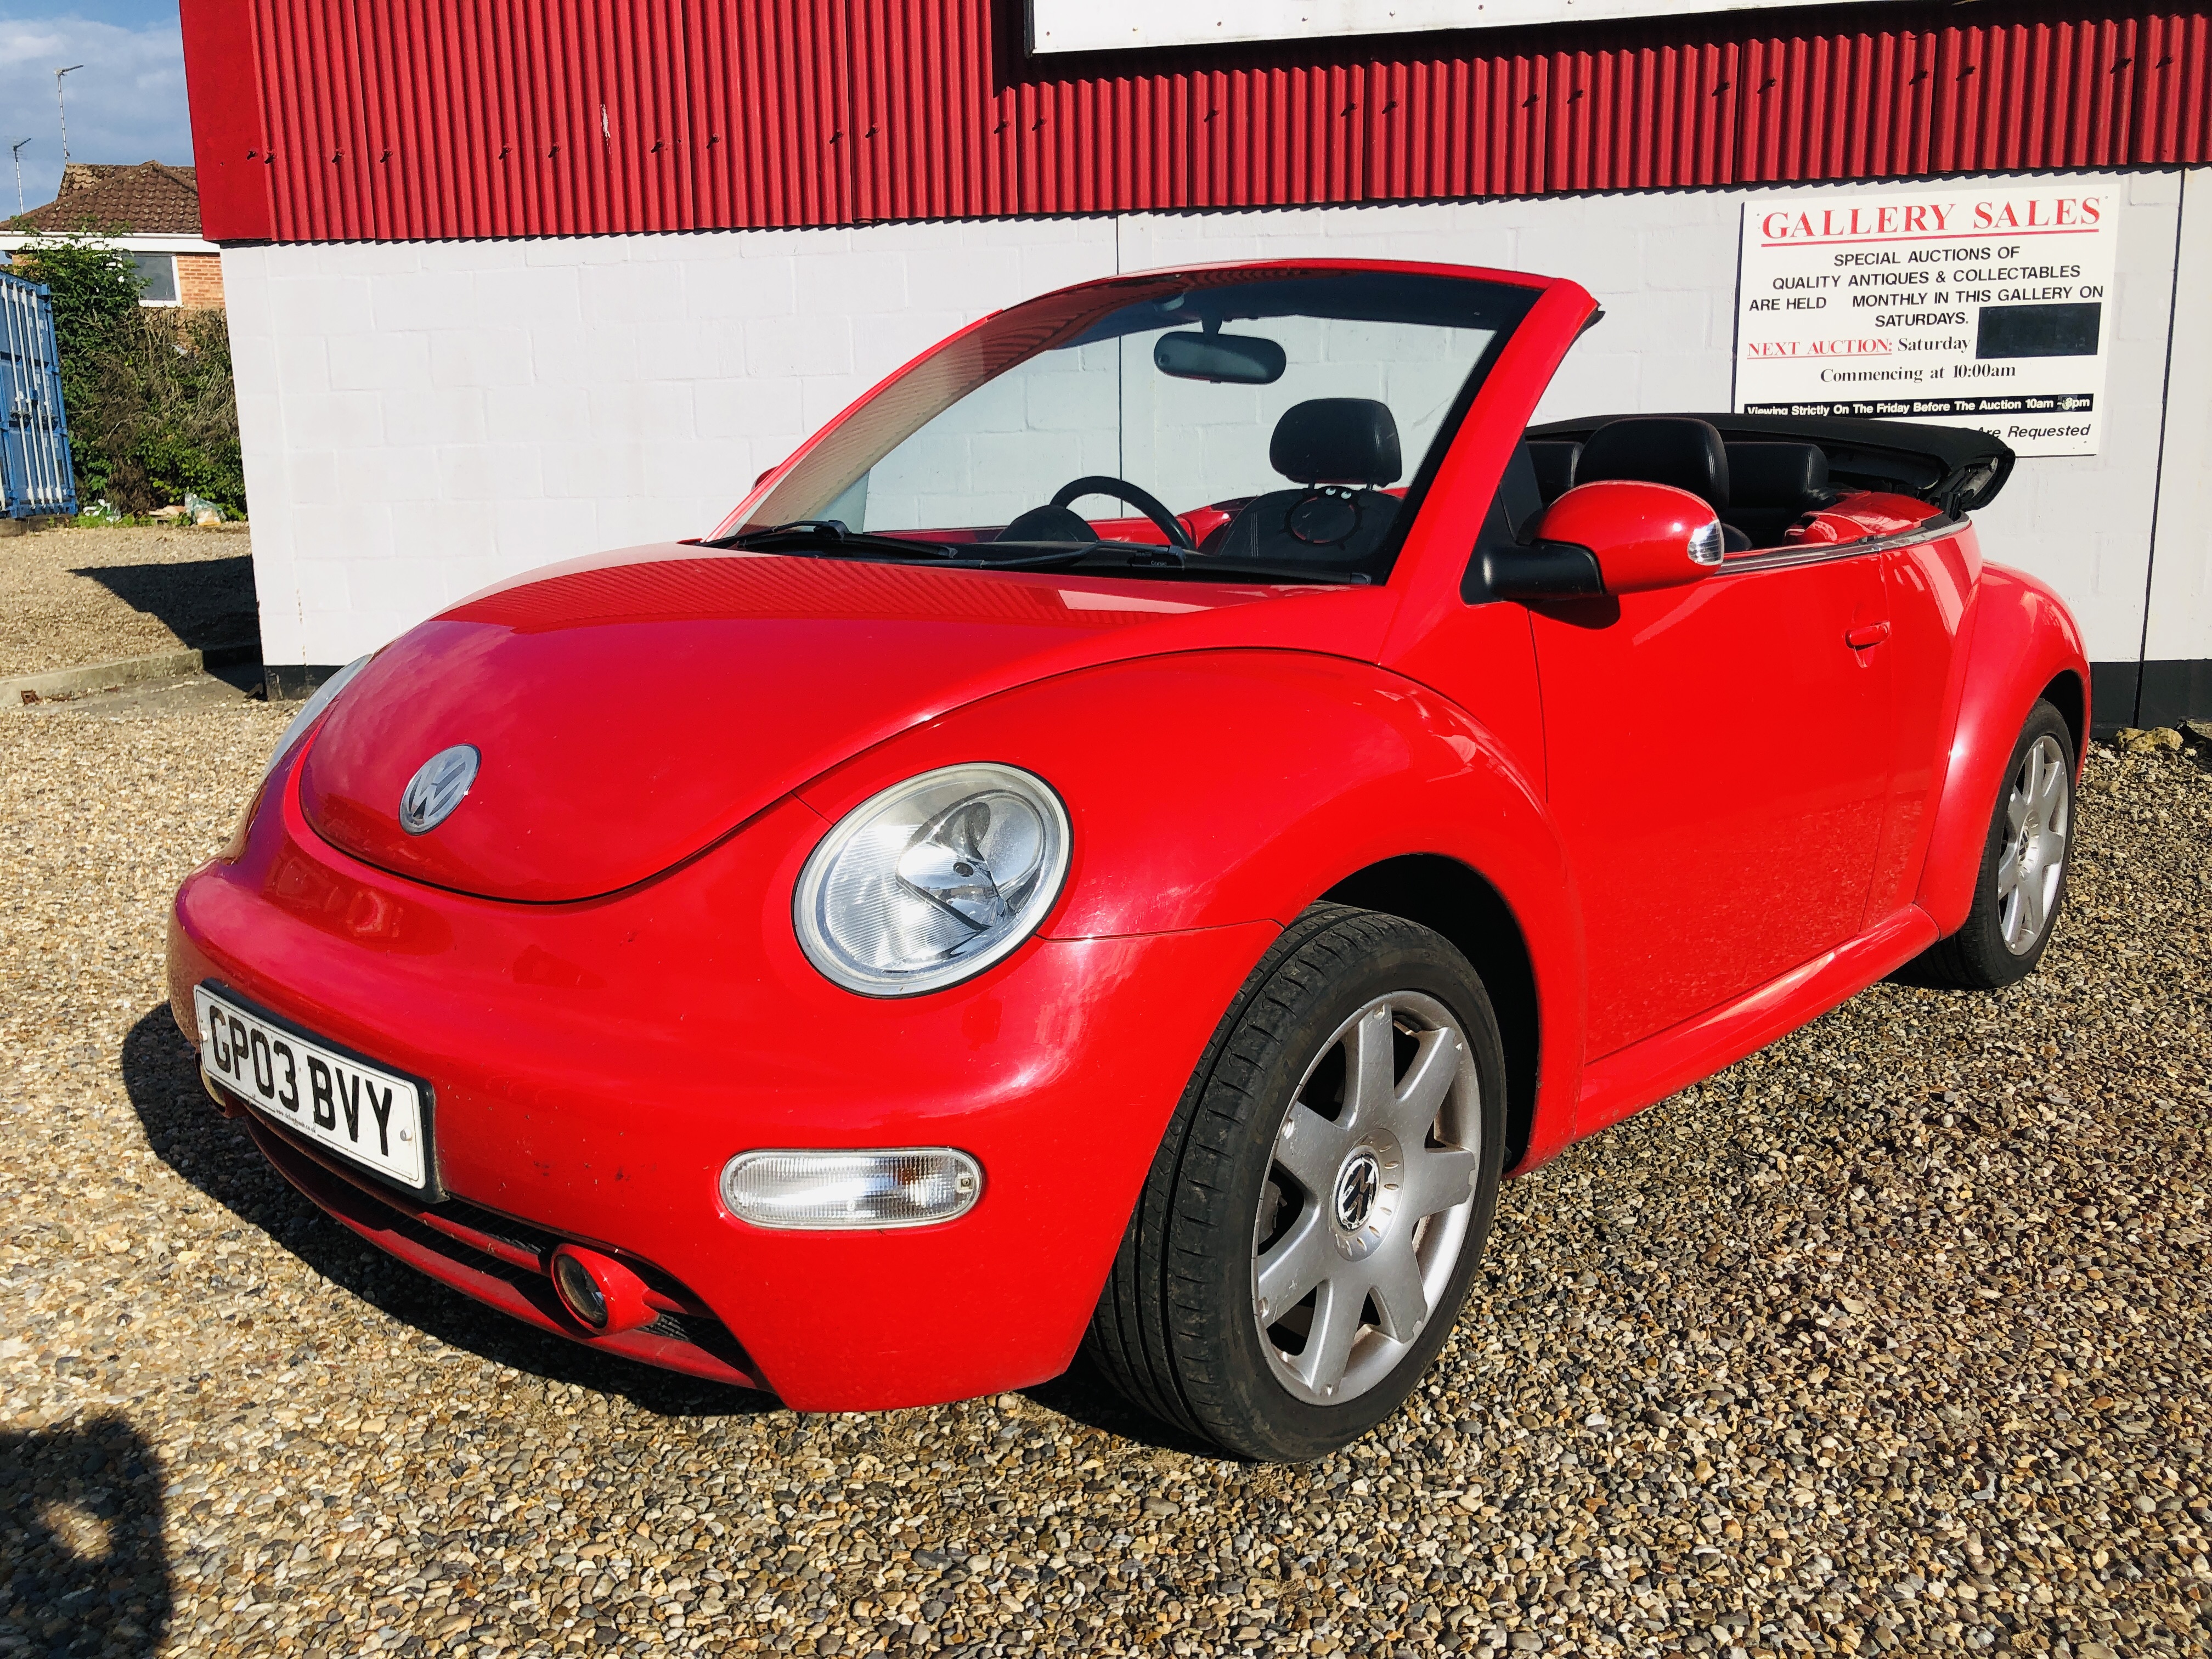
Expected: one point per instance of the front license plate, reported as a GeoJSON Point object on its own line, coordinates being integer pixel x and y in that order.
{"type": "Point", "coordinates": [373, 1117]}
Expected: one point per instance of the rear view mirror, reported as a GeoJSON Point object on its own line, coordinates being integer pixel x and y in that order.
{"type": "Point", "coordinates": [1238, 359]}
{"type": "Point", "coordinates": [1638, 538]}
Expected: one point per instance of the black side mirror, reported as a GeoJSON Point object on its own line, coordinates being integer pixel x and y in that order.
{"type": "Point", "coordinates": [1509, 563]}
{"type": "Point", "coordinates": [1542, 570]}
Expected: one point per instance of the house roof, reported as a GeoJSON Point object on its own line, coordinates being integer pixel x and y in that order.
{"type": "Point", "coordinates": [151, 198]}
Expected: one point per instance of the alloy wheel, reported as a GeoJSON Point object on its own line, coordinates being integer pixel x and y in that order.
{"type": "Point", "coordinates": [1367, 1198]}
{"type": "Point", "coordinates": [2034, 855]}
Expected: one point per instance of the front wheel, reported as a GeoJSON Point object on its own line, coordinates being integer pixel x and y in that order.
{"type": "Point", "coordinates": [2022, 880]}
{"type": "Point", "coordinates": [1317, 1207]}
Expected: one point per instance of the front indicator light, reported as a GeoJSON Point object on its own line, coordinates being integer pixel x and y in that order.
{"type": "Point", "coordinates": [912, 1187]}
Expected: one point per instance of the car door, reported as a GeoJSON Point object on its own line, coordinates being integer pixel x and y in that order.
{"type": "Point", "coordinates": [1930, 586]}
{"type": "Point", "coordinates": [1718, 765]}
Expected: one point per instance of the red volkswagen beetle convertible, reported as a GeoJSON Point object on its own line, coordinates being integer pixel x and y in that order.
{"type": "Point", "coordinates": [1127, 836]}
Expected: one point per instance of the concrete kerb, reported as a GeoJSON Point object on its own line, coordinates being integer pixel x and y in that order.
{"type": "Point", "coordinates": [59, 682]}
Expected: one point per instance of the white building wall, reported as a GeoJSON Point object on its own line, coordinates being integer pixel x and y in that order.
{"type": "Point", "coordinates": [422, 419]}
{"type": "Point", "coordinates": [2178, 628]}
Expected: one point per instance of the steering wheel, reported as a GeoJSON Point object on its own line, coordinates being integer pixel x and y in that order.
{"type": "Point", "coordinates": [1121, 489]}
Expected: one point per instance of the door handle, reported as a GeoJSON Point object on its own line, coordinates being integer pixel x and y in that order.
{"type": "Point", "coordinates": [1867, 637]}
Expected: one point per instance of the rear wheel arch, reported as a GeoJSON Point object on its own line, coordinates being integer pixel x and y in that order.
{"type": "Point", "coordinates": [2070, 698]}
{"type": "Point", "coordinates": [2024, 646]}
{"type": "Point", "coordinates": [2020, 884]}
{"type": "Point", "coordinates": [1451, 898]}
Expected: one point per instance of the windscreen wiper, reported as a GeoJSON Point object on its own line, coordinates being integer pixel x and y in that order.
{"type": "Point", "coordinates": [1149, 559]}
{"type": "Point", "coordinates": [828, 535]}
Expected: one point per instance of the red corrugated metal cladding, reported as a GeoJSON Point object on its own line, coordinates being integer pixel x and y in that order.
{"type": "Point", "coordinates": [394, 119]}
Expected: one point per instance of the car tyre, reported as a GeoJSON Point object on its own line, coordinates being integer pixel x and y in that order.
{"type": "Point", "coordinates": [2022, 880]}
{"type": "Point", "coordinates": [1341, 1137]}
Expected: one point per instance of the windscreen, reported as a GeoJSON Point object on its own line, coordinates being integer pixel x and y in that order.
{"type": "Point", "coordinates": [1277, 420]}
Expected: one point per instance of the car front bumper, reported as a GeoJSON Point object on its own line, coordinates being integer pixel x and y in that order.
{"type": "Point", "coordinates": [595, 1065]}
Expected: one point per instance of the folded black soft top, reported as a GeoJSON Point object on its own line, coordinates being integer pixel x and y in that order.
{"type": "Point", "coordinates": [1954, 468]}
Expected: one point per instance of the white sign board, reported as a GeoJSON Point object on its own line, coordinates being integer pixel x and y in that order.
{"type": "Point", "coordinates": [1087, 26]}
{"type": "Point", "coordinates": [1985, 308]}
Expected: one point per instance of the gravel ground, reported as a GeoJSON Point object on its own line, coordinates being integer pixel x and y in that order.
{"type": "Point", "coordinates": [1893, 1338]}
{"type": "Point", "coordinates": [84, 594]}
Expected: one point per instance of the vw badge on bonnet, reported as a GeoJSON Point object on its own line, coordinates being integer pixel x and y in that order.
{"type": "Point", "coordinates": [436, 789]}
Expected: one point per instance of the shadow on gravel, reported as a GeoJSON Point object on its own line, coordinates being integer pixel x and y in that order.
{"type": "Point", "coordinates": [1922, 975]}
{"type": "Point", "coordinates": [217, 1156]}
{"type": "Point", "coordinates": [208, 603]}
{"type": "Point", "coordinates": [83, 1565]}
{"type": "Point", "coordinates": [1083, 1395]}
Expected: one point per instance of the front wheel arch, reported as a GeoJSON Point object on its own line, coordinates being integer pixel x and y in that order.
{"type": "Point", "coordinates": [1170, 1328]}
{"type": "Point", "coordinates": [1451, 898]}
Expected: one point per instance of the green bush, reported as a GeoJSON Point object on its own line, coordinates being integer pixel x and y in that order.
{"type": "Point", "coordinates": [152, 412]}
{"type": "Point", "coordinates": [159, 417]}
{"type": "Point", "coordinates": [95, 287]}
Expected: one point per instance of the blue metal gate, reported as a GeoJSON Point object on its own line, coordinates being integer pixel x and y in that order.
{"type": "Point", "coordinates": [34, 452]}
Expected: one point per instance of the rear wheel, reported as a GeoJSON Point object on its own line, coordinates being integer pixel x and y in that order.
{"type": "Point", "coordinates": [1317, 1207]}
{"type": "Point", "coordinates": [2022, 881]}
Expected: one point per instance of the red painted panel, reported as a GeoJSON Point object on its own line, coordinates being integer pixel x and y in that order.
{"type": "Point", "coordinates": [227, 146]}
{"type": "Point", "coordinates": [789, 619]}
{"type": "Point", "coordinates": [414, 119]}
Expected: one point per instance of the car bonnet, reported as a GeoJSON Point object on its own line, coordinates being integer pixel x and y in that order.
{"type": "Point", "coordinates": [628, 712]}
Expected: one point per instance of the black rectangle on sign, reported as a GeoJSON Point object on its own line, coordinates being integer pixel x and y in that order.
{"type": "Point", "coordinates": [2068, 331]}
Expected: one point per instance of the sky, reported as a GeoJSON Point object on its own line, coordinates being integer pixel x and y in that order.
{"type": "Point", "coordinates": [126, 103]}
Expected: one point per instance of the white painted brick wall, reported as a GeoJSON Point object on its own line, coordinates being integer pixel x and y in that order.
{"type": "Point", "coordinates": [2179, 628]}
{"type": "Point", "coordinates": [422, 419]}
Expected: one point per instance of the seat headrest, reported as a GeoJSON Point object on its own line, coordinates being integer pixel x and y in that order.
{"type": "Point", "coordinates": [1668, 449]}
{"type": "Point", "coordinates": [1555, 459]}
{"type": "Point", "coordinates": [1342, 441]}
{"type": "Point", "coordinates": [1776, 475]}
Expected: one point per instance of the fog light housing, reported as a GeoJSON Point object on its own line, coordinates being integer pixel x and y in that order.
{"type": "Point", "coordinates": [903, 1186]}
{"type": "Point", "coordinates": [599, 1293]}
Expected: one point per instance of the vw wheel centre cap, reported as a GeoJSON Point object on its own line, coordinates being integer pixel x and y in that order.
{"type": "Point", "coordinates": [437, 788]}
{"type": "Point", "coordinates": [1357, 1185]}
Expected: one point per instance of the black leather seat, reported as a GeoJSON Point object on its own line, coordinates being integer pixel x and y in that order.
{"type": "Point", "coordinates": [1666, 449]}
{"type": "Point", "coordinates": [1772, 485]}
{"type": "Point", "coordinates": [1341, 451]}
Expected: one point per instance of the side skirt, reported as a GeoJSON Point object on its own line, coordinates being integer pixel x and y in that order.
{"type": "Point", "coordinates": [1653, 1067]}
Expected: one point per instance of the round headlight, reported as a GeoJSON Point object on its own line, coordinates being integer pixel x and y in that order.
{"type": "Point", "coordinates": [933, 880]}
